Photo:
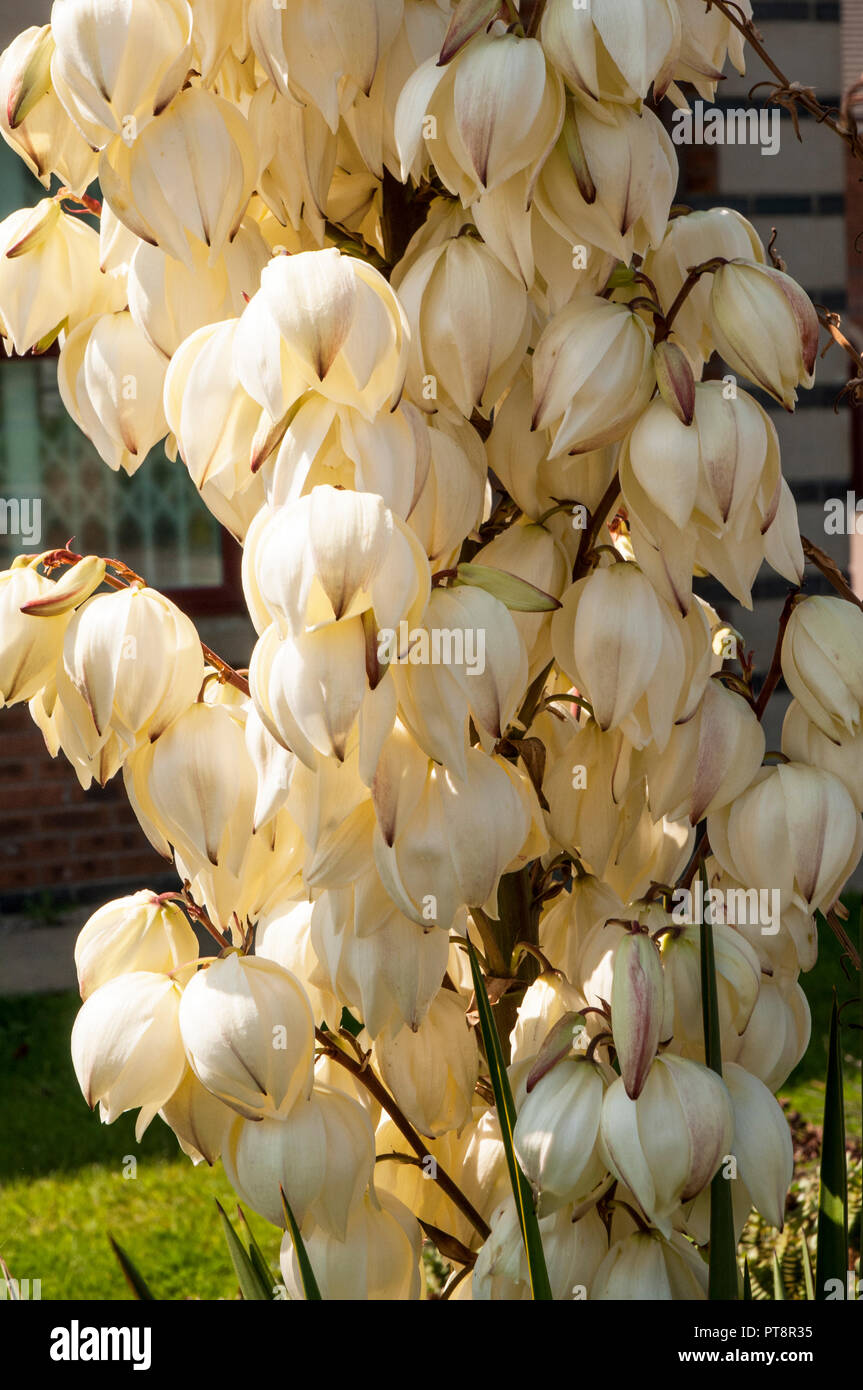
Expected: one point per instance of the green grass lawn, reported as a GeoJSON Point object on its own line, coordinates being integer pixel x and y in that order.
{"type": "Point", "coordinates": [805, 1086]}
{"type": "Point", "coordinates": [62, 1183]}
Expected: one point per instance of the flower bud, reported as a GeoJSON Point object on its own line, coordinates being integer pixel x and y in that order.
{"type": "Point", "coordinates": [314, 686]}
{"type": "Point", "coordinates": [29, 647]}
{"type": "Point", "coordinates": [466, 660]}
{"type": "Point", "coordinates": [202, 149]}
{"type": "Point", "coordinates": [379, 1259]}
{"type": "Point", "coordinates": [283, 934]}
{"type": "Point", "coordinates": [637, 1008]}
{"type": "Point", "coordinates": [690, 240]}
{"type": "Point", "coordinates": [645, 1265]}
{"type": "Point", "coordinates": [50, 279]}
{"type": "Point", "coordinates": [322, 1154]}
{"type": "Point", "coordinates": [140, 932]}
{"type": "Point", "coordinates": [452, 497]}
{"type": "Point", "coordinates": [111, 379]}
{"type": "Point", "coordinates": [298, 157]}
{"type": "Point", "coordinates": [545, 1003]}
{"type": "Point", "coordinates": [675, 380]}
{"type": "Point", "coordinates": [494, 110]}
{"type": "Point", "coordinates": [708, 761]}
{"type": "Point", "coordinates": [333, 555]}
{"type": "Point", "coordinates": [765, 327]}
{"type": "Point", "coordinates": [333, 808]}
{"type": "Point", "coordinates": [74, 586]}
{"type": "Point", "coordinates": [805, 742]}
{"type": "Point", "coordinates": [738, 980]}
{"type": "Point", "coordinates": [442, 842]}
{"type": "Point", "coordinates": [822, 662]}
{"type": "Point", "coordinates": [593, 374]}
{"type": "Point", "coordinates": [32, 120]}
{"type": "Point", "coordinates": [776, 1036]}
{"type": "Point", "coordinates": [566, 923]}
{"type": "Point", "coordinates": [126, 1046]}
{"type": "Point", "coordinates": [469, 327]}
{"type": "Point", "coordinates": [136, 660]}
{"type": "Point", "coordinates": [116, 63]}
{"type": "Point", "coordinates": [248, 1031]}
{"type": "Point", "coordinates": [531, 553]}
{"type": "Point", "coordinates": [198, 1119]}
{"type": "Point", "coordinates": [381, 964]}
{"type": "Point", "coordinates": [667, 1145]}
{"type": "Point", "coordinates": [609, 180]}
{"type": "Point", "coordinates": [707, 38]}
{"type": "Point", "coordinates": [169, 301]}
{"type": "Point", "coordinates": [65, 722]}
{"type": "Point", "coordinates": [556, 1133]}
{"type": "Point", "coordinates": [795, 830]}
{"type": "Point", "coordinates": [311, 46]}
{"type": "Point", "coordinates": [326, 322]}
{"type": "Point", "coordinates": [597, 51]}
{"type": "Point", "coordinates": [695, 492]}
{"type": "Point", "coordinates": [762, 1143]}
{"type": "Point", "coordinates": [611, 637]}
{"type": "Point", "coordinates": [432, 1070]}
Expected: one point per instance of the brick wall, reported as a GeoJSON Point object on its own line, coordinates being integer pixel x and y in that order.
{"type": "Point", "coordinates": [53, 835]}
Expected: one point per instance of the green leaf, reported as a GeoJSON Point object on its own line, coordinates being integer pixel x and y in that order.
{"type": "Point", "coordinates": [307, 1274]}
{"type": "Point", "coordinates": [747, 1282]}
{"type": "Point", "coordinates": [621, 276]}
{"type": "Point", "coordinates": [831, 1254]}
{"type": "Point", "coordinates": [514, 593]}
{"type": "Point", "coordinates": [778, 1286]}
{"type": "Point", "coordinates": [808, 1281]}
{"type": "Point", "coordinates": [256, 1254]}
{"type": "Point", "coordinates": [537, 1271]}
{"type": "Point", "coordinates": [723, 1247]}
{"type": "Point", "coordinates": [133, 1277]}
{"type": "Point", "coordinates": [352, 1024]}
{"type": "Point", "coordinates": [468, 18]}
{"type": "Point", "coordinates": [252, 1287]}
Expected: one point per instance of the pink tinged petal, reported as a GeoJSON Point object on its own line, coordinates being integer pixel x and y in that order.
{"type": "Point", "coordinates": [706, 1109]}
{"type": "Point", "coordinates": [675, 380]}
{"type": "Point", "coordinates": [469, 17]}
{"type": "Point", "coordinates": [349, 536]}
{"type": "Point", "coordinates": [621, 1140]}
{"type": "Point", "coordinates": [497, 95]}
{"type": "Point", "coordinates": [312, 298]}
{"type": "Point", "coordinates": [637, 1002]}
{"type": "Point", "coordinates": [804, 315]}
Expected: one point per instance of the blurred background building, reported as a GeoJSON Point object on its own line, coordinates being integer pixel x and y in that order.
{"type": "Point", "coordinates": [54, 837]}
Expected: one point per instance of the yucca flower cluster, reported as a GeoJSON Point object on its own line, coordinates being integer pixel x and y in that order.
{"type": "Point", "coordinates": [401, 284]}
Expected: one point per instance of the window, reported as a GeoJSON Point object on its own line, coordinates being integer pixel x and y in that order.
{"type": "Point", "coordinates": [54, 486]}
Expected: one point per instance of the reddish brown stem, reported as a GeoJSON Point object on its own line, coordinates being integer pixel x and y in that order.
{"type": "Point", "coordinates": [775, 671]}
{"type": "Point", "coordinates": [363, 1073]}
